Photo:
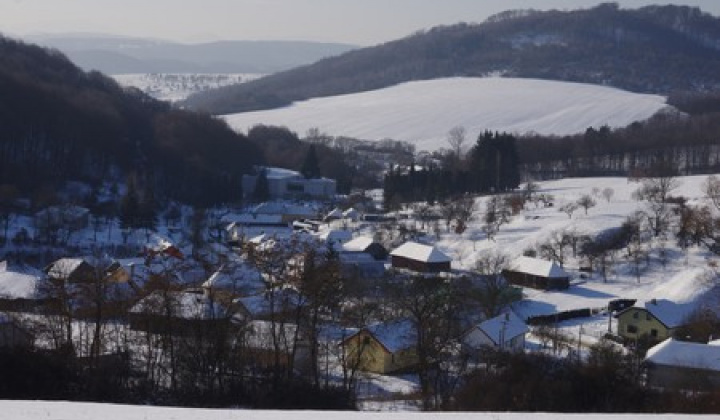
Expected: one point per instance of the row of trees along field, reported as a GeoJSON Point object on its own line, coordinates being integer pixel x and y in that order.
{"type": "Point", "coordinates": [492, 165]}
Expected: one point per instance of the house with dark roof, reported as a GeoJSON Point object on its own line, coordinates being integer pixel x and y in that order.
{"type": "Point", "coordinates": [683, 365]}
{"type": "Point", "coordinates": [655, 319]}
{"type": "Point", "coordinates": [420, 258]}
{"type": "Point", "coordinates": [537, 274]}
{"type": "Point", "coordinates": [383, 347]}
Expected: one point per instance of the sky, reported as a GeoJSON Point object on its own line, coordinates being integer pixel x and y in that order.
{"type": "Point", "coordinates": [359, 22]}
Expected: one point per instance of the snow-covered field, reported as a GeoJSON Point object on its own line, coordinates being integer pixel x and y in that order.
{"type": "Point", "coordinates": [423, 112]}
{"type": "Point", "coordinates": [34, 410]}
{"type": "Point", "coordinates": [175, 87]}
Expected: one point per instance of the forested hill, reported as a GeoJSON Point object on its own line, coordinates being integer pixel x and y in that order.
{"type": "Point", "coordinates": [58, 124]}
{"type": "Point", "coordinates": [654, 49]}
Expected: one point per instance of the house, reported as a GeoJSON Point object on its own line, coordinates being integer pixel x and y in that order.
{"type": "Point", "coordinates": [655, 319]}
{"type": "Point", "coordinates": [366, 245]}
{"type": "Point", "coordinates": [247, 225]}
{"type": "Point", "coordinates": [683, 365]}
{"type": "Point", "coordinates": [420, 258]}
{"type": "Point", "coordinates": [278, 303]}
{"type": "Point", "coordinates": [12, 334]}
{"type": "Point", "coordinates": [71, 270]}
{"type": "Point", "coordinates": [504, 332]}
{"type": "Point", "coordinates": [286, 183]}
{"type": "Point", "coordinates": [20, 288]}
{"type": "Point", "coordinates": [177, 312]}
{"type": "Point", "coordinates": [234, 280]}
{"type": "Point", "coordinates": [156, 245]}
{"type": "Point", "coordinates": [537, 274]}
{"type": "Point", "coordinates": [382, 348]}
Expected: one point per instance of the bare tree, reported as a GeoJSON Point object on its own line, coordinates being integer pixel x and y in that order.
{"type": "Point", "coordinates": [586, 202]}
{"type": "Point", "coordinates": [490, 289]}
{"type": "Point", "coordinates": [711, 188]}
{"type": "Point", "coordinates": [608, 193]}
{"type": "Point", "coordinates": [569, 208]}
{"type": "Point", "coordinates": [456, 138]}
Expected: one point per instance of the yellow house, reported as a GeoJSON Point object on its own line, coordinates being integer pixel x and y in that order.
{"type": "Point", "coordinates": [382, 348]}
{"type": "Point", "coordinates": [656, 319]}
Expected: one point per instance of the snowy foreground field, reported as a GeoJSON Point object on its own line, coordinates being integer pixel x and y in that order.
{"type": "Point", "coordinates": [423, 112]}
{"type": "Point", "coordinates": [35, 410]}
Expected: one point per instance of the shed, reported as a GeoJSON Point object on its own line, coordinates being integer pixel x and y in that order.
{"type": "Point", "coordinates": [367, 245]}
{"type": "Point", "coordinates": [537, 274]}
{"type": "Point", "coordinates": [420, 258]}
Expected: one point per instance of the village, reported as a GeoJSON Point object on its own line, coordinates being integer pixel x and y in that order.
{"type": "Point", "coordinates": [391, 306]}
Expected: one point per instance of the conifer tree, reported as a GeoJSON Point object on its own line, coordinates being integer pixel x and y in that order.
{"type": "Point", "coordinates": [311, 168]}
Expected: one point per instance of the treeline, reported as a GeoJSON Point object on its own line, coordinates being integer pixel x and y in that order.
{"type": "Point", "coordinates": [61, 124]}
{"type": "Point", "coordinates": [692, 143]}
{"type": "Point", "coordinates": [651, 49]}
{"type": "Point", "coordinates": [491, 166]}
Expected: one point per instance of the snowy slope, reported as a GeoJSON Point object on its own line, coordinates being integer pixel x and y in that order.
{"type": "Point", "coordinates": [32, 410]}
{"type": "Point", "coordinates": [683, 279]}
{"type": "Point", "coordinates": [423, 112]}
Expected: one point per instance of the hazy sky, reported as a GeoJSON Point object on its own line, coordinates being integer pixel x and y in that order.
{"type": "Point", "coordinates": [363, 22]}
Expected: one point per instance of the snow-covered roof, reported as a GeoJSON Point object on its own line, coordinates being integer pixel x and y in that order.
{"type": "Point", "coordinates": [158, 243]}
{"type": "Point", "coordinates": [183, 305]}
{"type": "Point", "coordinates": [538, 267]}
{"type": "Point", "coordinates": [420, 252]}
{"type": "Point", "coordinates": [280, 173]}
{"type": "Point", "coordinates": [670, 313]}
{"type": "Point", "coordinates": [18, 284]}
{"type": "Point", "coordinates": [684, 354]}
{"type": "Point", "coordinates": [351, 213]}
{"type": "Point", "coordinates": [240, 278]}
{"type": "Point", "coordinates": [335, 235]}
{"type": "Point", "coordinates": [394, 335]}
{"type": "Point", "coordinates": [358, 244]}
{"type": "Point", "coordinates": [64, 267]}
{"type": "Point", "coordinates": [503, 327]}
{"type": "Point", "coordinates": [282, 300]}
{"type": "Point", "coordinates": [335, 213]}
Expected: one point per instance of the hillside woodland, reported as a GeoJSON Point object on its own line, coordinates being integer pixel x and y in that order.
{"type": "Point", "coordinates": [657, 49]}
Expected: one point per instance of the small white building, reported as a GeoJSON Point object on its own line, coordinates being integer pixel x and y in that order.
{"type": "Point", "coordinates": [286, 183]}
{"type": "Point", "coordinates": [420, 258]}
{"type": "Point", "coordinates": [683, 365]}
{"type": "Point", "coordinates": [504, 332]}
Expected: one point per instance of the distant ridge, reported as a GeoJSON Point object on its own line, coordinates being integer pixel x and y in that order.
{"type": "Point", "coordinates": [122, 55]}
{"type": "Point", "coordinates": [654, 49]}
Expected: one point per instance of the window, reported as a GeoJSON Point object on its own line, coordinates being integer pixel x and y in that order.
{"type": "Point", "coordinates": [647, 317]}
{"type": "Point", "coordinates": [636, 314]}
{"type": "Point", "coordinates": [632, 329]}
{"type": "Point", "coordinates": [654, 332]}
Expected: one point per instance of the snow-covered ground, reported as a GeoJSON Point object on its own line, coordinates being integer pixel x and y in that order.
{"type": "Point", "coordinates": [683, 279]}
{"type": "Point", "coordinates": [57, 410]}
{"type": "Point", "coordinates": [423, 112]}
{"type": "Point", "coordinates": [176, 87]}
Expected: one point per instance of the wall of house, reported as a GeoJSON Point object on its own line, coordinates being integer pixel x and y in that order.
{"type": "Point", "coordinates": [419, 266]}
{"type": "Point", "coordinates": [637, 322]}
{"type": "Point", "coordinates": [672, 377]}
{"type": "Point", "coordinates": [363, 351]}
{"type": "Point", "coordinates": [536, 282]}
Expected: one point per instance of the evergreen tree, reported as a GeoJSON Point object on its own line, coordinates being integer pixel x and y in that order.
{"type": "Point", "coordinates": [310, 167]}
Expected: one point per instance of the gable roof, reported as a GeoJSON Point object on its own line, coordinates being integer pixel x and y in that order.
{"type": "Point", "coordinates": [669, 313]}
{"type": "Point", "coordinates": [358, 244]}
{"type": "Point", "coordinates": [420, 252]}
{"type": "Point", "coordinates": [394, 335]}
{"type": "Point", "coordinates": [684, 354]}
{"type": "Point", "coordinates": [64, 267]}
{"type": "Point", "coordinates": [538, 267]}
{"type": "Point", "coordinates": [18, 284]}
{"type": "Point", "coordinates": [240, 278]}
{"type": "Point", "coordinates": [503, 327]}
{"type": "Point", "coordinates": [183, 305]}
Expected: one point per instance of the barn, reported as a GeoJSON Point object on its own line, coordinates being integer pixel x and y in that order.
{"type": "Point", "coordinates": [537, 274]}
{"type": "Point", "coordinates": [420, 258]}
